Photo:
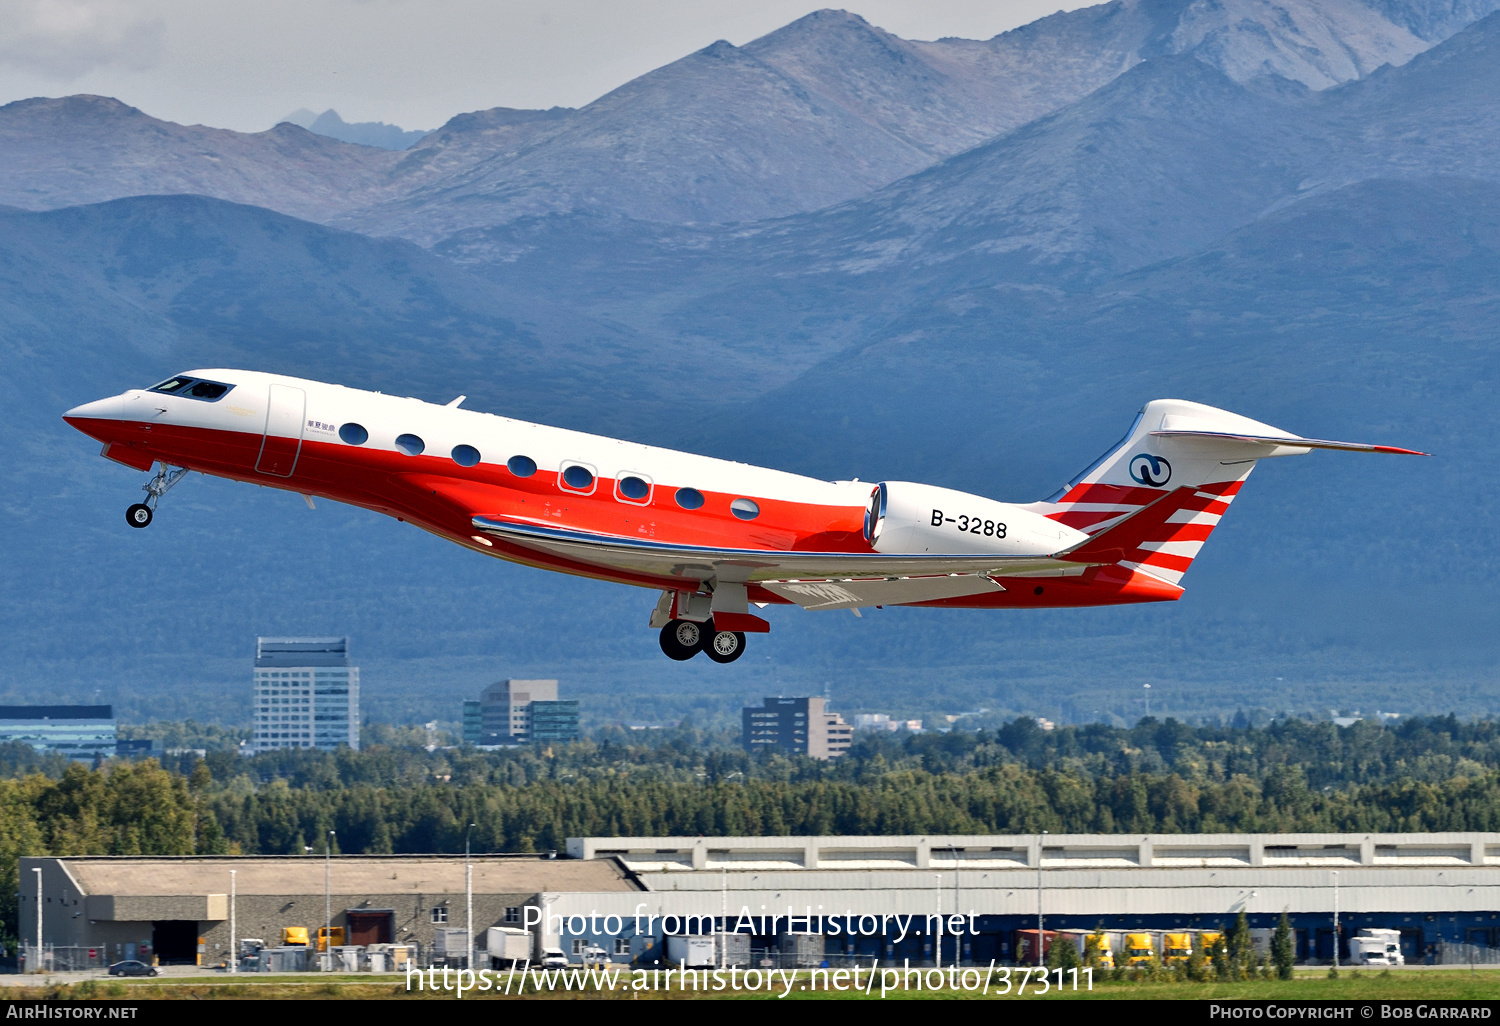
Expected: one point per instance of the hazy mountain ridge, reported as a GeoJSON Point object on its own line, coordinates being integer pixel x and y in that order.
{"type": "Point", "coordinates": [821, 111]}
{"type": "Point", "coordinates": [88, 149]}
{"type": "Point", "coordinates": [1293, 255]}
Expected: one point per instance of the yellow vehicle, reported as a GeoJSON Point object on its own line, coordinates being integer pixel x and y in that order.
{"type": "Point", "coordinates": [1207, 939]}
{"type": "Point", "coordinates": [1106, 953]}
{"type": "Point", "coordinates": [293, 935]}
{"type": "Point", "coordinates": [1081, 938]}
{"type": "Point", "coordinates": [324, 933]}
{"type": "Point", "coordinates": [1176, 947]}
{"type": "Point", "coordinates": [1138, 949]}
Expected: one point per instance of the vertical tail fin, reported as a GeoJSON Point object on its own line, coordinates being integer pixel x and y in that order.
{"type": "Point", "coordinates": [1152, 500]}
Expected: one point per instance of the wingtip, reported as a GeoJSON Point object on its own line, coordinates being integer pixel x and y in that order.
{"type": "Point", "coordinates": [1400, 452]}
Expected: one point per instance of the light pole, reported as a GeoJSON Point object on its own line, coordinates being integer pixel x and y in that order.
{"type": "Point", "coordinates": [958, 906]}
{"type": "Point", "coordinates": [328, 899]}
{"type": "Point", "coordinates": [724, 917]}
{"type": "Point", "coordinates": [234, 955]}
{"type": "Point", "coordinates": [37, 870]}
{"type": "Point", "coordinates": [1039, 843]}
{"type": "Point", "coordinates": [1335, 920]}
{"type": "Point", "coordinates": [468, 901]}
{"type": "Point", "coordinates": [937, 938]}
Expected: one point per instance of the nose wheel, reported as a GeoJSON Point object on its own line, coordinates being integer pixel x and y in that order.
{"type": "Point", "coordinates": [140, 514]}
{"type": "Point", "coordinates": [683, 639]}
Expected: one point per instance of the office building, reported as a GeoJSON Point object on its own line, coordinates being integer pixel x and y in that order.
{"type": "Point", "coordinates": [306, 694]}
{"type": "Point", "coordinates": [473, 722]}
{"type": "Point", "coordinates": [513, 712]}
{"type": "Point", "coordinates": [554, 721]}
{"type": "Point", "coordinates": [796, 726]}
{"type": "Point", "coordinates": [81, 732]}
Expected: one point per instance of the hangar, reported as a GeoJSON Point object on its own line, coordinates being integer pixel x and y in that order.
{"type": "Point", "coordinates": [625, 894]}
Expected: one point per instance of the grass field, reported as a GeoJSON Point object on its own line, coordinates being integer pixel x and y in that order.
{"type": "Point", "coordinates": [1410, 984]}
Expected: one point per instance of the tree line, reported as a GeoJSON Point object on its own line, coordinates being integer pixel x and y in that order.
{"type": "Point", "coordinates": [1158, 777]}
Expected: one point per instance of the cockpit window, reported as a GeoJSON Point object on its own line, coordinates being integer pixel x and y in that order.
{"type": "Point", "coordinates": [205, 390]}
{"type": "Point", "coordinates": [192, 388]}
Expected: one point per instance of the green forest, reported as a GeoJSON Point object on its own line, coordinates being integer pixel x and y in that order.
{"type": "Point", "coordinates": [1159, 776]}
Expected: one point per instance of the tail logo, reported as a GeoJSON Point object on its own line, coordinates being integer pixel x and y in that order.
{"type": "Point", "coordinates": [1152, 471]}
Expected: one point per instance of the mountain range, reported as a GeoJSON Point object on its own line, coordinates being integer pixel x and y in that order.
{"type": "Point", "coordinates": [829, 250]}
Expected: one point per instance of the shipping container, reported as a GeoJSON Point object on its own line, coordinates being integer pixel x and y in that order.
{"type": "Point", "coordinates": [1026, 946]}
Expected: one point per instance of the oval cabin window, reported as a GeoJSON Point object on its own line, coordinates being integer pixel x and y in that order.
{"type": "Point", "coordinates": [689, 498]}
{"type": "Point", "coordinates": [410, 444]}
{"type": "Point", "coordinates": [578, 478]}
{"type": "Point", "coordinates": [354, 434]}
{"type": "Point", "coordinates": [634, 488]}
{"type": "Point", "coordinates": [745, 509]}
{"type": "Point", "coordinates": [521, 466]}
{"type": "Point", "coordinates": [465, 455]}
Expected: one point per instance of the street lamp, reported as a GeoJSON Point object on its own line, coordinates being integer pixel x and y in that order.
{"type": "Point", "coordinates": [38, 871]}
{"type": "Point", "coordinates": [328, 899]}
{"type": "Point", "coordinates": [1335, 920]}
{"type": "Point", "coordinates": [937, 938]}
{"type": "Point", "coordinates": [468, 901]}
{"type": "Point", "coordinates": [234, 956]}
{"type": "Point", "coordinates": [1039, 842]}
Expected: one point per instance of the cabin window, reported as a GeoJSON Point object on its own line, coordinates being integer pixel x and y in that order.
{"type": "Point", "coordinates": [689, 498]}
{"type": "Point", "coordinates": [577, 477]}
{"type": "Point", "coordinates": [521, 466]}
{"type": "Point", "coordinates": [465, 455]}
{"type": "Point", "coordinates": [354, 434]}
{"type": "Point", "coordinates": [410, 444]}
{"type": "Point", "coordinates": [633, 488]}
{"type": "Point", "coordinates": [745, 509]}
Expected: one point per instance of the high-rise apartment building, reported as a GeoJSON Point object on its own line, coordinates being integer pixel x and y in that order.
{"type": "Point", "coordinates": [306, 694]}
{"type": "Point", "coordinates": [796, 726]}
{"type": "Point", "coordinates": [514, 712]}
{"type": "Point", "coordinates": [82, 732]}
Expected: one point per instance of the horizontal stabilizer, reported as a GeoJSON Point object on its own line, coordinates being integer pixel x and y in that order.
{"type": "Point", "coordinates": [1291, 441]}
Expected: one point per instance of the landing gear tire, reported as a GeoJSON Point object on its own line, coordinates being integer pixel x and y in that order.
{"type": "Point", "coordinates": [723, 646]}
{"type": "Point", "coordinates": [681, 639]}
{"type": "Point", "coordinates": [138, 515]}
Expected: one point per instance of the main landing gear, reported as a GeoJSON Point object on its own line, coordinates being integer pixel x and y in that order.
{"type": "Point", "coordinates": [141, 513]}
{"type": "Point", "coordinates": [683, 639]}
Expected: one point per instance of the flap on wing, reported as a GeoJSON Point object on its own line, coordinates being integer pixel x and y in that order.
{"type": "Point", "coordinates": [887, 591]}
{"type": "Point", "coordinates": [694, 563]}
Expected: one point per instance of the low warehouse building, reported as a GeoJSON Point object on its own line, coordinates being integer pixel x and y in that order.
{"type": "Point", "coordinates": [178, 909]}
{"type": "Point", "coordinates": [811, 898]}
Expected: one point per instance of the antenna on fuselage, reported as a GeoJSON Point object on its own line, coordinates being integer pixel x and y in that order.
{"type": "Point", "coordinates": [454, 403]}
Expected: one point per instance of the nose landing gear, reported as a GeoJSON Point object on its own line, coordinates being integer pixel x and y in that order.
{"type": "Point", "coordinates": [140, 514]}
{"type": "Point", "coordinates": [683, 639]}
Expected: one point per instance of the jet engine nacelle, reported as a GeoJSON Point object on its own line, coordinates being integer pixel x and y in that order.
{"type": "Point", "coordinates": [903, 517]}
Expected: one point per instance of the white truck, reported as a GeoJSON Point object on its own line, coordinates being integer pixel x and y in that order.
{"type": "Point", "coordinates": [693, 952]}
{"type": "Point", "coordinates": [507, 946]}
{"type": "Point", "coordinates": [1376, 947]}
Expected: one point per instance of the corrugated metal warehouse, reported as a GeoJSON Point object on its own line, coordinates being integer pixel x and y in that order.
{"type": "Point", "coordinates": [624, 894]}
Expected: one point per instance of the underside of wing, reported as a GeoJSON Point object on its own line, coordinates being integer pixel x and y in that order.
{"type": "Point", "coordinates": [815, 580]}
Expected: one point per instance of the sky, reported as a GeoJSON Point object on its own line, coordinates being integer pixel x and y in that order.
{"type": "Point", "coordinates": [246, 64]}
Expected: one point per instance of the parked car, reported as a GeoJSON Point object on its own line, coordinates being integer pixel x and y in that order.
{"type": "Point", "coordinates": [553, 958]}
{"type": "Point", "coordinates": [133, 967]}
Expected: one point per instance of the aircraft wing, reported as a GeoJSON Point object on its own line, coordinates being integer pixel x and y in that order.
{"type": "Point", "coordinates": [814, 580]}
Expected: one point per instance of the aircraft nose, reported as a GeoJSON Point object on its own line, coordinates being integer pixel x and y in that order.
{"type": "Point", "coordinates": [112, 408]}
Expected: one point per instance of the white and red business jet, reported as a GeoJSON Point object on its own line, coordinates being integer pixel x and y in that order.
{"type": "Point", "coordinates": [714, 537]}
